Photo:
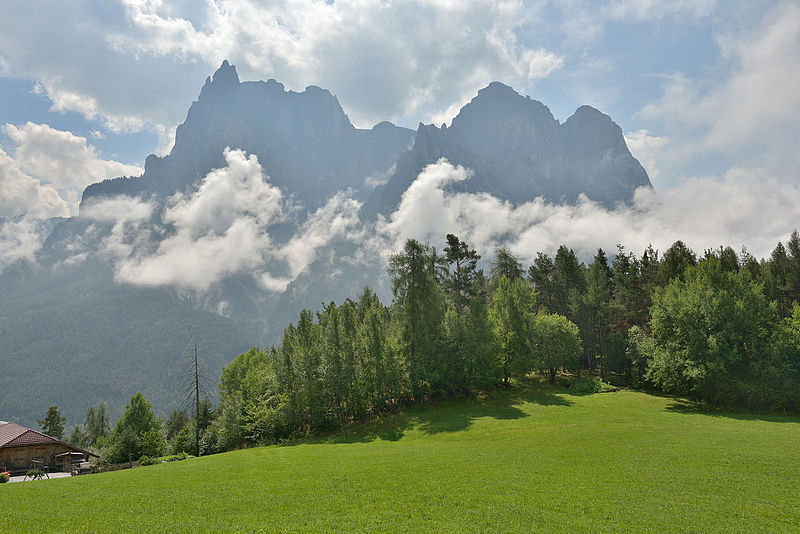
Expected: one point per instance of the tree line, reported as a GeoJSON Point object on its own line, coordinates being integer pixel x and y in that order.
{"type": "Point", "coordinates": [722, 328]}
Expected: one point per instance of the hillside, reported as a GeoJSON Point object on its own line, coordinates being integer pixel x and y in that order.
{"type": "Point", "coordinates": [531, 458]}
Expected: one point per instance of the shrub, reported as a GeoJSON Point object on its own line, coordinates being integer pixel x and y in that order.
{"type": "Point", "coordinates": [147, 460]}
{"type": "Point", "coordinates": [4, 476]}
{"type": "Point", "coordinates": [590, 385]}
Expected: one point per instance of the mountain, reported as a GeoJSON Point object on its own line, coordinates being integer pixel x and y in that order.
{"type": "Point", "coordinates": [518, 151]}
{"type": "Point", "coordinates": [304, 141]}
{"type": "Point", "coordinates": [72, 335]}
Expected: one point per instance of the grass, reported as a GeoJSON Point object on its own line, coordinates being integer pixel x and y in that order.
{"type": "Point", "coordinates": [531, 458]}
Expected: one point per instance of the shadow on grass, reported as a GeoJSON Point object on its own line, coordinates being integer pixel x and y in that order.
{"type": "Point", "coordinates": [688, 406]}
{"type": "Point", "coordinates": [451, 415]}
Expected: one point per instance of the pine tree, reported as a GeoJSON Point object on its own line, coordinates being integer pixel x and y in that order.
{"type": "Point", "coordinates": [416, 274]}
{"type": "Point", "coordinates": [505, 264]}
{"type": "Point", "coordinates": [53, 423]}
{"type": "Point", "coordinates": [462, 280]}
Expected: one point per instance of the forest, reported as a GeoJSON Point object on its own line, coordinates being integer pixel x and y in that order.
{"type": "Point", "coordinates": [721, 329]}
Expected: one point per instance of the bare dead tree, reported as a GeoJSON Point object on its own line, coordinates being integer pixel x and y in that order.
{"type": "Point", "coordinates": [190, 390]}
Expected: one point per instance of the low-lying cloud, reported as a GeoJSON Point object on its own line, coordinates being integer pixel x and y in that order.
{"type": "Point", "coordinates": [219, 230]}
{"type": "Point", "coordinates": [745, 207]}
{"type": "Point", "coordinates": [225, 226]}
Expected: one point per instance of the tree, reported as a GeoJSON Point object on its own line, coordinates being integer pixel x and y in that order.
{"type": "Point", "coordinates": [416, 274]}
{"type": "Point", "coordinates": [556, 343]}
{"type": "Point", "coordinates": [793, 276]}
{"type": "Point", "coordinates": [462, 280]}
{"type": "Point", "coordinates": [778, 279]}
{"type": "Point", "coordinates": [175, 423]}
{"type": "Point", "coordinates": [676, 260]}
{"type": "Point", "coordinates": [511, 312]}
{"type": "Point", "coordinates": [505, 264]}
{"type": "Point", "coordinates": [53, 423]}
{"type": "Point", "coordinates": [540, 275]}
{"type": "Point", "coordinates": [568, 282]}
{"type": "Point", "coordinates": [786, 379]}
{"type": "Point", "coordinates": [78, 437]}
{"type": "Point", "coordinates": [595, 304]}
{"type": "Point", "coordinates": [96, 425]}
{"type": "Point", "coordinates": [711, 337]}
{"type": "Point", "coordinates": [137, 433]}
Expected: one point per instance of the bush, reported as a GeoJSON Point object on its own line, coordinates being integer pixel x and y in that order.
{"type": "Point", "coordinates": [150, 460]}
{"type": "Point", "coordinates": [4, 476]}
{"type": "Point", "coordinates": [590, 385]}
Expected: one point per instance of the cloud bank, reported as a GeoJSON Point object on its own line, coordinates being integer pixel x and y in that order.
{"type": "Point", "coordinates": [226, 226]}
{"type": "Point", "coordinates": [745, 207]}
{"type": "Point", "coordinates": [222, 228]}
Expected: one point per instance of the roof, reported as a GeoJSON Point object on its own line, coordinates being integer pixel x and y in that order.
{"type": "Point", "coordinates": [14, 435]}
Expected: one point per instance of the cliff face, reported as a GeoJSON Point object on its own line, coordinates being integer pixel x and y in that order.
{"type": "Point", "coordinates": [304, 141]}
{"type": "Point", "coordinates": [519, 151]}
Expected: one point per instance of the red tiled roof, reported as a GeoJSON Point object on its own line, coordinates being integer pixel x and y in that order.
{"type": "Point", "coordinates": [9, 432]}
{"type": "Point", "coordinates": [14, 435]}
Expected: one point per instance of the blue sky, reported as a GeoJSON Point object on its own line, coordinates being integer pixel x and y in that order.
{"type": "Point", "coordinates": [705, 91]}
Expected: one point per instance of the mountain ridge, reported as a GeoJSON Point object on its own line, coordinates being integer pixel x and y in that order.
{"type": "Point", "coordinates": [518, 151]}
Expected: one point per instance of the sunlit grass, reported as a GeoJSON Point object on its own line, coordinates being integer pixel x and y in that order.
{"type": "Point", "coordinates": [531, 458]}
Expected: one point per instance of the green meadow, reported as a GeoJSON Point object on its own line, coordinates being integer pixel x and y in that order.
{"type": "Point", "coordinates": [531, 458]}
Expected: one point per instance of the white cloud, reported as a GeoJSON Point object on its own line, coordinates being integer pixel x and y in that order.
{"type": "Point", "coordinates": [736, 209]}
{"type": "Point", "coordinates": [49, 169]}
{"type": "Point", "coordinates": [21, 240]}
{"type": "Point", "coordinates": [222, 229]}
{"type": "Point", "coordinates": [748, 113]}
{"type": "Point", "coordinates": [425, 211]}
{"type": "Point", "coordinates": [136, 64]}
{"type": "Point", "coordinates": [22, 194]}
{"type": "Point", "coordinates": [117, 209]}
{"type": "Point", "coordinates": [647, 149]}
{"type": "Point", "coordinates": [541, 63]}
{"type": "Point", "coordinates": [62, 158]}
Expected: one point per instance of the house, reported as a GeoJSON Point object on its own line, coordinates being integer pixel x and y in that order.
{"type": "Point", "coordinates": [22, 448]}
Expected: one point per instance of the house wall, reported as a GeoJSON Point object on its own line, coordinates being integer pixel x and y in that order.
{"type": "Point", "coordinates": [21, 458]}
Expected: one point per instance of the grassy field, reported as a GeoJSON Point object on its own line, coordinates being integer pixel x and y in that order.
{"type": "Point", "coordinates": [532, 458]}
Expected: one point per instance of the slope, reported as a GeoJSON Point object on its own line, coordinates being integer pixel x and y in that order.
{"type": "Point", "coordinates": [533, 458]}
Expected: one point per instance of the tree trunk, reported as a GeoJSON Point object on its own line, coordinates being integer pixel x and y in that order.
{"type": "Point", "coordinates": [553, 375]}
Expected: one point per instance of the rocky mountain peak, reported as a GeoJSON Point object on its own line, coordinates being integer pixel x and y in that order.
{"type": "Point", "coordinates": [224, 80]}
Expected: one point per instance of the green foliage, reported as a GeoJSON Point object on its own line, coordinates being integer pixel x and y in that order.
{"type": "Point", "coordinates": [150, 460]}
{"type": "Point", "coordinates": [505, 265]}
{"type": "Point", "coordinates": [713, 338]}
{"type": "Point", "coordinates": [416, 274]}
{"type": "Point", "coordinates": [78, 437]}
{"type": "Point", "coordinates": [462, 280]}
{"type": "Point", "coordinates": [53, 423]}
{"type": "Point", "coordinates": [184, 440]}
{"type": "Point", "coordinates": [556, 344]}
{"type": "Point", "coordinates": [96, 426]}
{"type": "Point", "coordinates": [512, 311]}
{"type": "Point", "coordinates": [586, 385]}
{"type": "Point", "coordinates": [137, 433]}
